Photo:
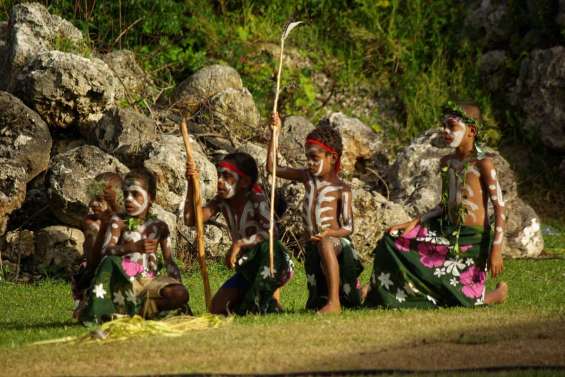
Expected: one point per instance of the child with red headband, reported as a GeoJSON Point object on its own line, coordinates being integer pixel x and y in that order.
{"type": "Point", "coordinates": [332, 265]}
{"type": "Point", "coordinates": [244, 205]}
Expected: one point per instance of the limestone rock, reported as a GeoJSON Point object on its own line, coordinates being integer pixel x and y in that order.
{"type": "Point", "coordinates": [33, 31]}
{"type": "Point", "coordinates": [489, 22]}
{"type": "Point", "coordinates": [13, 180]}
{"type": "Point", "coordinates": [70, 175]}
{"type": "Point", "coordinates": [524, 236]}
{"type": "Point", "coordinates": [24, 136]}
{"type": "Point", "coordinates": [67, 89]}
{"type": "Point", "coordinates": [540, 94]}
{"type": "Point", "coordinates": [217, 240]}
{"type": "Point", "coordinates": [58, 250]}
{"type": "Point", "coordinates": [133, 82]}
{"type": "Point", "coordinates": [360, 143]}
{"type": "Point", "coordinates": [18, 245]}
{"type": "Point", "coordinates": [127, 135]}
{"type": "Point", "coordinates": [291, 141]}
{"type": "Point", "coordinates": [494, 68]}
{"type": "Point", "coordinates": [168, 162]}
{"type": "Point", "coordinates": [204, 84]}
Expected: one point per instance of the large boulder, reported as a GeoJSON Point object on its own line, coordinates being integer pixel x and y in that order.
{"type": "Point", "coordinates": [127, 135]}
{"type": "Point", "coordinates": [495, 71]}
{"type": "Point", "coordinates": [168, 218]}
{"type": "Point", "coordinates": [24, 136]}
{"type": "Point", "coordinates": [540, 94]}
{"type": "Point", "coordinates": [372, 214]}
{"type": "Point", "coordinates": [67, 89]}
{"type": "Point", "coordinates": [133, 82]}
{"type": "Point", "coordinates": [33, 31]}
{"type": "Point", "coordinates": [216, 240]}
{"type": "Point", "coordinates": [524, 236]}
{"type": "Point", "coordinates": [489, 22]}
{"type": "Point", "coordinates": [416, 184]}
{"type": "Point", "coordinates": [59, 250]}
{"type": "Point", "coordinates": [168, 162]}
{"type": "Point", "coordinates": [17, 249]}
{"type": "Point", "coordinates": [361, 145]}
{"type": "Point", "coordinates": [70, 175]}
{"type": "Point", "coordinates": [203, 85]}
{"type": "Point", "coordinates": [293, 135]}
{"type": "Point", "coordinates": [13, 179]}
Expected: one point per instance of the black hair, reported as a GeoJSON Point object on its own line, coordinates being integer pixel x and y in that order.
{"type": "Point", "coordinates": [327, 135]}
{"type": "Point", "coordinates": [244, 162]}
{"type": "Point", "coordinates": [147, 177]}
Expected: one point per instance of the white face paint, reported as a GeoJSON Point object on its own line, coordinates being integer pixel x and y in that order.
{"type": "Point", "coordinates": [228, 187]}
{"type": "Point", "coordinates": [137, 207]}
{"type": "Point", "coordinates": [312, 164]}
{"type": "Point", "coordinates": [458, 132]}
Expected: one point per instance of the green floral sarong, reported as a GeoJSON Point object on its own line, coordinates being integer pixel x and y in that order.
{"type": "Point", "coordinates": [350, 268]}
{"type": "Point", "coordinates": [253, 265]}
{"type": "Point", "coordinates": [111, 292]}
{"type": "Point", "coordinates": [425, 269]}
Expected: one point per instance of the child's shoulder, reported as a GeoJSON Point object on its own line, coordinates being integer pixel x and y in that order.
{"type": "Point", "coordinates": [343, 185]}
{"type": "Point", "coordinates": [486, 161]}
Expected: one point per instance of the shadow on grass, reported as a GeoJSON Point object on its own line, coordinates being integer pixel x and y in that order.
{"type": "Point", "coordinates": [39, 326]}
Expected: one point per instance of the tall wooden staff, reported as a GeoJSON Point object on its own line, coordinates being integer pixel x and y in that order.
{"type": "Point", "coordinates": [197, 200]}
{"type": "Point", "coordinates": [287, 31]}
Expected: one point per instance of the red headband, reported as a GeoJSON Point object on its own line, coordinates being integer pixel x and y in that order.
{"type": "Point", "coordinates": [328, 149]}
{"type": "Point", "coordinates": [231, 167]}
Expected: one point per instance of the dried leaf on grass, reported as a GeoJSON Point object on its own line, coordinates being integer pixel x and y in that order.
{"type": "Point", "coordinates": [125, 327]}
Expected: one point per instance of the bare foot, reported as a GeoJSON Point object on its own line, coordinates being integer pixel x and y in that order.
{"type": "Point", "coordinates": [499, 295]}
{"type": "Point", "coordinates": [330, 307]}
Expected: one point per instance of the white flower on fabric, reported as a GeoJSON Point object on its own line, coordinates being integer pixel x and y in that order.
{"type": "Point", "coordinates": [266, 272]}
{"type": "Point", "coordinates": [130, 296]}
{"type": "Point", "coordinates": [119, 298]}
{"type": "Point", "coordinates": [242, 260]}
{"type": "Point", "coordinates": [411, 289]}
{"type": "Point", "coordinates": [400, 295]}
{"type": "Point", "coordinates": [99, 291]}
{"type": "Point", "coordinates": [431, 299]}
{"type": "Point", "coordinates": [432, 237]}
{"type": "Point", "coordinates": [346, 289]}
{"type": "Point", "coordinates": [453, 266]}
{"type": "Point", "coordinates": [469, 262]}
{"type": "Point", "coordinates": [479, 301]}
{"type": "Point", "coordinates": [312, 280]}
{"type": "Point", "coordinates": [384, 278]}
{"type": "Point", "coordinates": [453, 281]}
{"type": "Point", "coordinates": [439, 272]}
{"type": "Point", "coordinates": [135, 257]}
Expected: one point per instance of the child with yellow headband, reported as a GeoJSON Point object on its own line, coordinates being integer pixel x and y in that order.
{"type": "Point", "coordinates": [332, 265]}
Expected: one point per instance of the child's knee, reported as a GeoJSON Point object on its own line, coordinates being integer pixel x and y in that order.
{"type": "Point", "coordinates": [176, 293]}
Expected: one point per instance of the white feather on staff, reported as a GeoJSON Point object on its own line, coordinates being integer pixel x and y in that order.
{"type": "Point", "coordinates": [287, 31]}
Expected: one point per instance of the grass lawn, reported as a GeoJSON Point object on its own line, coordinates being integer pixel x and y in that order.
{"type": "Point", "coordinates": [529, 329]}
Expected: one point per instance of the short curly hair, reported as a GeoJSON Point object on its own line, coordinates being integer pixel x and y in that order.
{"type": "Point", "coordinates": [327, 135]}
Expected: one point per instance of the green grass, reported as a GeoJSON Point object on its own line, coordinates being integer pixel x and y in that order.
{"type": "Point", "coordinates": [532, 319]}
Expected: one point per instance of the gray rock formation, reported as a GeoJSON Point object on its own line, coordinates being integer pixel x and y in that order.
{"type": "Point", "coordinates": [494, 67]}
{"type": "Point", "coordinates": [489, 22]}
{"type": "Point", "coordinates": [58, 250]}
{"type": "Point", "coordinates": [133, 82]}
{"type": "Point", "coordinates": [168, 162]}
{"type": "Point", "coordinates": [67, 89]}
{"type": "Point", "coordinates": [70, 175]}
{"type": "Point", "coordinates": [34, 31]}
{"type": "Point", "coordinates": [127, 135]}
{"type": "Point", "coordinates": [204, 84]}
{"type": "Point", "coordinates": [360, 143]}
{"type": "Point", "coordinates": [291, 141]}
{"type": "Point", "coordinates": [417, 183]}
{"type": "Point", "coordinates": [13, 179]}
{"type": "Point", "coordinates": [24, 136]}
{"type": "Point", "coordinates": [540, 94]}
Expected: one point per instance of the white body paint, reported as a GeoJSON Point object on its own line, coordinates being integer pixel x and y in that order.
{"type": "Point", "coordinates": [129, 199]}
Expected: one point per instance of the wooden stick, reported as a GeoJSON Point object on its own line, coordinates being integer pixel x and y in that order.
{"type": "Point", "coordinates": [274, 151]}
{"type": "Point", "coordinates": [197, 200]}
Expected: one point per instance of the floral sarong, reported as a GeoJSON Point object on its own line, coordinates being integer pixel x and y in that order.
{"type": "Point", "coordinates": [115, 291]}
{"type": "Point", "coordinates": [253, 265]}
{"type": "Point", "coordinates": [350, 267]}
{"type": "Point", "coordinates": [425, 269]}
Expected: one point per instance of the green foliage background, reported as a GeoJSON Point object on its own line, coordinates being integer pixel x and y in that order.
{"type": "Point", "coordinates": [411, 54]}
